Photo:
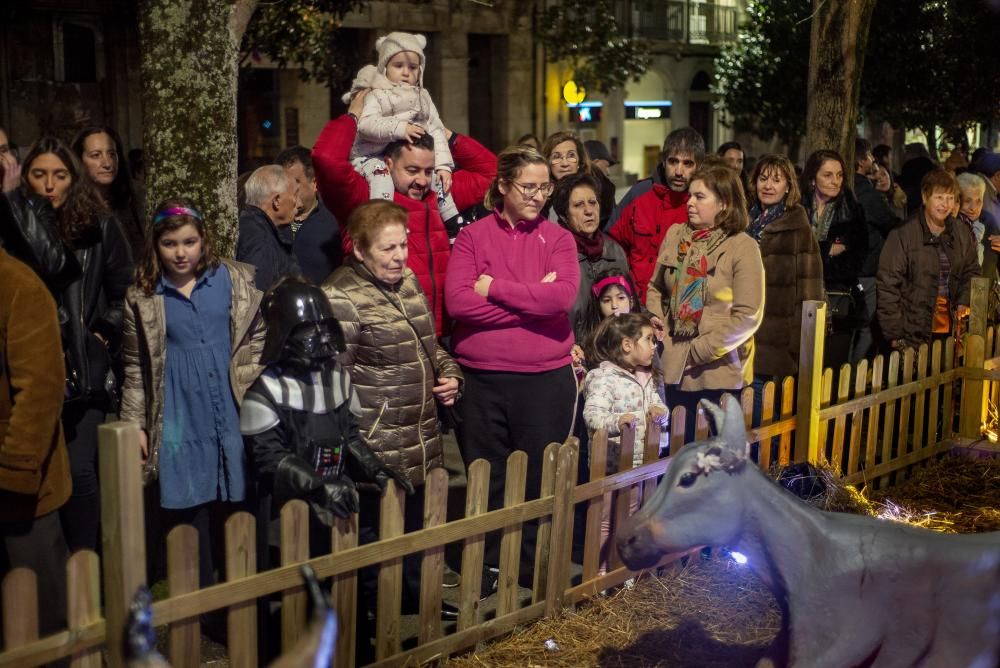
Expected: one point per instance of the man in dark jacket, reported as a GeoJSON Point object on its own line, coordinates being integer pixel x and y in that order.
{"type": "Point", "coordinates": [880, 221]}
{"type": "Point", "coordinates": [34, 465]}
{"type": "Point", "coordinates": [316, 231]}
{"type": "Point", "coordinates": [265, 225]}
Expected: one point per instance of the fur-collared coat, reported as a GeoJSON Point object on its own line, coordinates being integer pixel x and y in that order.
{"type": "Point", "coordinates": [793, 272]}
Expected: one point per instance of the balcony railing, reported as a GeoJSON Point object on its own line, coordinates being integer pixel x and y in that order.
{"type": "Point", "coordinates": [685, 21]}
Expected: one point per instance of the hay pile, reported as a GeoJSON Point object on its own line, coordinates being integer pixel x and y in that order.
{"type": "Point", "coordinates": [709, 614]}
{"type": "Point", "coordinates": [716, 613]}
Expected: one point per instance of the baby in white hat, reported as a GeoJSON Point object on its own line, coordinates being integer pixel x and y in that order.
{"type": "Point", "coordinates": [398, 107]}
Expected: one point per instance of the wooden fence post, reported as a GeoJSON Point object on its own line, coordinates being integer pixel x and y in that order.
{"type": "Point", "coordinates": [83, 598]}
{"type": "Point", "coordinates": [979, 306]}
{"type": "Point", "coordinates": [20, 593]}
{"type": "Point", "coordinates": [344, 591]}
{"type": "Point", "coordinates": [510, 541]}
{"type": "Point", "coordinates": [971, 420]}
{"type": "Point", "coordinates": [476, 502]}
{"type": "Point", "coordinates": [241, 562]}
{"type": "Point", "coordinates": [562, 528]}
{"type": "Point", "coordinates": [184, 644]}
{"type": "Point", "coordinates": [807, 446]}
{"type": "Point", "coordinates": [550, 459]}
{"type": "Point", "coordinates": [432, 561]}
{"type": "Point", "coordinates": [390, 574]}
{"type": "Point", "coordinates": [124, 534]}
{"type": "Point", "coordinates": [294, 549]}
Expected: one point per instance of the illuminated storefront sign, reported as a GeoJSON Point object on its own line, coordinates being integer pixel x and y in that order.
{"type": "Point", "coordinates": [642, 110]}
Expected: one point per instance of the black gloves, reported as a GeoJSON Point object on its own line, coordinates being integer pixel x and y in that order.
{"type": "Point", "coordinates": [367, 467]}
{"type": "Point", "coordinates": [295, 478]}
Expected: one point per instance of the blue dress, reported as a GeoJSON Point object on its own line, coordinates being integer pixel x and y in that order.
{"type": "Point", "coordinates": [201, 455]}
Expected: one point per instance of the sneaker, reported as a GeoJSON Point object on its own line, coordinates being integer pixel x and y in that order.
{"type": "Point", "coordinates": [451, 579]}
{"type": "Point", "coordinates": [490, 583]}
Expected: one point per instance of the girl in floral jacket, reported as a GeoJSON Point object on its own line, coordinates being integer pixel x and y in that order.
{"type": "Point", "coordinates": [622, 391]}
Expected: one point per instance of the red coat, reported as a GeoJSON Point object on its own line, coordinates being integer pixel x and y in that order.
{"type": "Point", "coordinates": [342, 189]}
{"type": "Point", "coordinates": [641, 227]}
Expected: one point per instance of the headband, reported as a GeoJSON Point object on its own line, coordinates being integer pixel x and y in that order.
{"type": "Point", "coordinates": [611, 280]}
{"type": "Point", "coordinates": [172, 211]}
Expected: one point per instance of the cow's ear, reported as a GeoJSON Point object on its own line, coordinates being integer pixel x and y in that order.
{"type": "Point", "coordinates": [716, 416]}
{"type": "Point", "coordinates": [734, 431]}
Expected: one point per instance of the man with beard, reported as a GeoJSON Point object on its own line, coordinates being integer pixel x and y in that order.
{"type": "Point", "coordinates": [644, 221]}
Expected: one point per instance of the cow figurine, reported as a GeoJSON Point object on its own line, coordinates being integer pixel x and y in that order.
{"type": "Point", "coordinates": [853, 590]}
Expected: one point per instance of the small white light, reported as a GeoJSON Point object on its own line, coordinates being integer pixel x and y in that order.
{"type": "Point", "coordinates": [738, 557]}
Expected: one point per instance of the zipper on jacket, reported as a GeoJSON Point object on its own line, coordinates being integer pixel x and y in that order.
{"type": "Point", "coordinates": [430, 265]}
{"type": "Point", "coordinates": [385, 404]}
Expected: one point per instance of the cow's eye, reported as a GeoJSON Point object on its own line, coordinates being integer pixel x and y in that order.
{"type": "Point", "coordinates": [688, 479]}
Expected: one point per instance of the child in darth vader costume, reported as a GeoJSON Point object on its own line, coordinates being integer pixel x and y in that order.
{"type": "Point", "coordinates": [297, 420]}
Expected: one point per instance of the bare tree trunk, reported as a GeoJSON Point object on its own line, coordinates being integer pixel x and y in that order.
{"type": "Point", "coordinates": [190, 55]}
{"type": "Point", "coordinates": [836, 59]}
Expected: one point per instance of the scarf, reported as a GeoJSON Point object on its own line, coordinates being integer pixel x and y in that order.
{"type": "Point", "coordinates": [821, 222]}
{"type": "Point", "coordinates": [687, 301]}
{"type": "Point", "coordinates": [761, 219]}
{"type": "Point", "coordinates": [592, 249]}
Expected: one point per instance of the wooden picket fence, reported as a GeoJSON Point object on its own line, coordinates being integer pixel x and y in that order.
{"type": "Point", "coordinates": [874, 422]}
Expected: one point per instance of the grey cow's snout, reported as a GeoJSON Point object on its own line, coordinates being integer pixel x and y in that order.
{"type": "Point", "coordinates": [636, 547]}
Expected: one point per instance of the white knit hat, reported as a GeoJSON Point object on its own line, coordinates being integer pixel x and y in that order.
{"type": "Point", "coordinates": [394, 42]}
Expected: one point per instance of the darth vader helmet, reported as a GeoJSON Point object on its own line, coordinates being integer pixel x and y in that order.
{"type": "Point", "coordinates": [301, 329]}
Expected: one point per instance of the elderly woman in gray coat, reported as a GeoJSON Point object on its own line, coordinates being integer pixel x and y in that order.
{"type": "Point", "coordinates": [577, 203]}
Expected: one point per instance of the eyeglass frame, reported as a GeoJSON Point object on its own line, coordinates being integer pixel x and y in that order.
{"type": "Point", "coordinates": [571, 156]}
{"type": "Point", "coordinates": [536, 188]}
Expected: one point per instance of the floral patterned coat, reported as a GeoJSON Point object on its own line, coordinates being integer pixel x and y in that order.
{"type": "Point", "coordinates": [610, 392]}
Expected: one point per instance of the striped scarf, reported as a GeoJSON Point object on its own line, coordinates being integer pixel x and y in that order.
{"type": "Point", "coordinates": [687, 301]}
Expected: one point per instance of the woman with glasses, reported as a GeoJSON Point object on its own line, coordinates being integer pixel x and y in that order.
{"type": "Point", "coordinates": [566, 155]}
{"type": "Point", "coordinates": [512, 280]}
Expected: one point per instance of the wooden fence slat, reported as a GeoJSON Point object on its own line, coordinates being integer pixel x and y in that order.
{"type": "Point", "coordinates": [432, 564]}
{"type": "Point", "coordinates": [344, 591]}
{"type": "Point", "coordinates": [873, 413]}
{"type": "Point", "coordinates": [889, 421]}
{"type": "Point", "coordinates": [623, 497]}
{"type": "Point", "coordinates": [184, 644]}
{"type": "Point", "coordinates": [510, 541]}
{"type": "Point", "coordinates": [562, 528]}
{"type": "Point", "coordinates": [972, 390]}
{"type": "Point", "coordinates": [20, 594]}
{"type": "Point", "coordinates": [123, 555]}
{"type": "Point", "coordinates": [390, 574]}
{"type": "Point", "coordinates": [678, 420]}
{"type": "Point", "coordinates": [905, 442]}
{"type": "Point", "coordinates": [857, 417]}
{"type": "Point", "coordinates": [241, 562]}
{"type": "Point", "coordinates": [746, 404]}
{"type": "Point", "coordinates": [550, 460]}
{"type": "Point", "coordinates": [83, 598]}
{"type": "Point", "coordinates": [651, 448]}
{"type": "Point", "coordinates": [949, 404]}
{"type": "Point", "coordinates": [840, 423]}
{"type": "Point", "coordinates": [592, 539]}
{"type": "Point", "coordinates": [766, 417]}
{"type": "Point", "coordinates": [294, 519]}
{"type": "Point", "coordinates": [476, 499]}
{"type": "Point", "coordinates": [825, 394]}
{"type": "Point", "coordinates": [920, 404]}
{"type": "Point", "coordinates": [933, 430]}
{"type": "Point", "coordinates": [787, 403]}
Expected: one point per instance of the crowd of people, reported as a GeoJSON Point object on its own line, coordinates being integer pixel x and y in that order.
{"type": "Point", "coordinates": [399, 279]}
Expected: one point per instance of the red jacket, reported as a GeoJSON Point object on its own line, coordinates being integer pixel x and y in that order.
{"type": "Point", "coordinates": [342, 189]}
{"type": "Point", "coordinates": [641, 227]}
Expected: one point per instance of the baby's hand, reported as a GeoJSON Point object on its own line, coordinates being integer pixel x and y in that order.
{"type": "Point", "coordinates": [358, 102]}
{"type": "Point", "coordinates": [658, 414]}
{"type": "Point", "coordinates": [628, 419]}
{"type": "Point", "coordinates": [445, 176]}
{"type": "Point", "coordinates": [414, 132]}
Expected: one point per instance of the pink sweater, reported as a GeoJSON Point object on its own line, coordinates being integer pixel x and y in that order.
{"type": "Point", "coordinates": [523, 326]}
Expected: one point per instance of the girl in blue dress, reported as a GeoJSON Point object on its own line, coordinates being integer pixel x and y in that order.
{"type": "Point", "coordinates": [192, 344]}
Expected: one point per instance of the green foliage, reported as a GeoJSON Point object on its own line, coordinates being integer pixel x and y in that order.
{"type": "Point", "coordinates": [587, 34]}
{"type": "Point", "coordinates": [302, 34]}
{"type": "Point", "coordinates": [939, 65]}
{"type": "Point", "coordinates": [927, 63]}
{"type": "Point", "coordinates": [762, 78]}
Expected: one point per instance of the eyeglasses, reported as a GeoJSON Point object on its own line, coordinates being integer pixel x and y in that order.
{"type": "Point", "coordinates": [528, 190]}
{"type": "Point", "coordinates": [569, 157]}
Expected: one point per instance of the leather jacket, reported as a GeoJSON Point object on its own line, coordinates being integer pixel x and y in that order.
{"type": "Point", "coordinates": [94, 305]}
{"type": "Point", "coordinates": [28, 232]}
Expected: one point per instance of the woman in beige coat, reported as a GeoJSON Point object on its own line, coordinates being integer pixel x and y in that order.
{"type": "Point", "coordinates": [192, 342]}
{"type": "Point", "coordinates": [708, 287]}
